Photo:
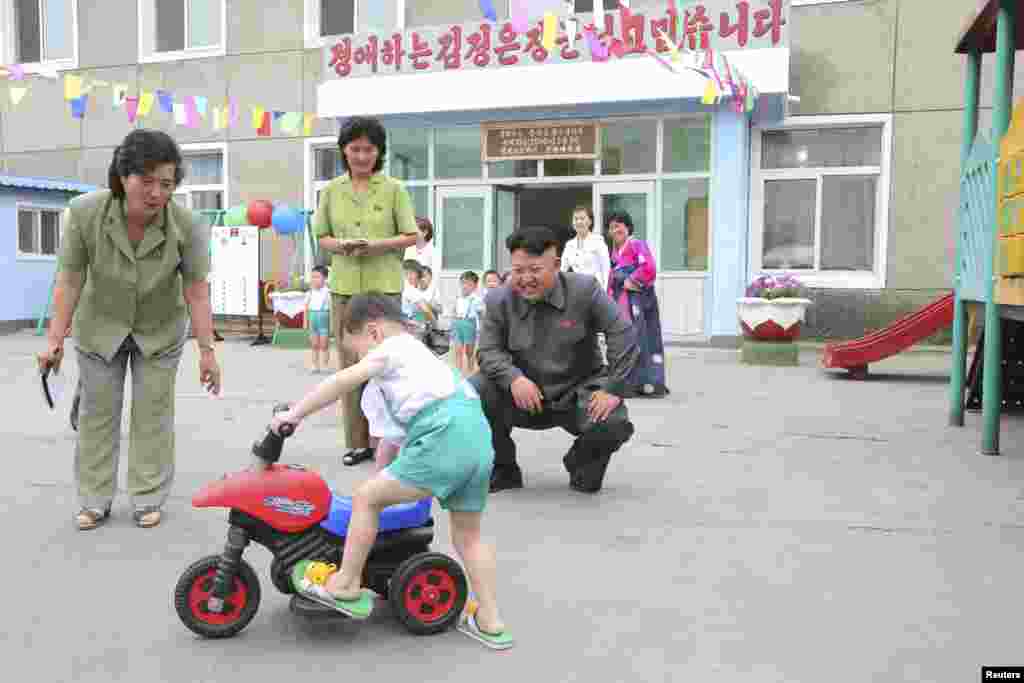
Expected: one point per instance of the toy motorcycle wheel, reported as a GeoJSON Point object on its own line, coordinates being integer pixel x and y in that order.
{"type": "Point", "coordinates": [195, 588]}
{"type": "Point", "coordinates": [428, 592]}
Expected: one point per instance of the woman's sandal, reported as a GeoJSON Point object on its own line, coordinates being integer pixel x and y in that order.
{"type": "Point", "coordinates": [91, 518]}
{"type": "Point", "coordinates": [357, 455]}
{"type": "Point", "coordinates": [147, 517]}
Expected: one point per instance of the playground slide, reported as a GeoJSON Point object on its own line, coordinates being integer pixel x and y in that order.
{"type": "Point", "coordinates": [902, 334]}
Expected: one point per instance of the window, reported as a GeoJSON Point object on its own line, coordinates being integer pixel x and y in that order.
{"type": "Point", "coordinates": [421, 13]}
{"type": "Point", "coordinates": [39, 32]}
{"type": "Point", "coordinates": [344, 17]}
{"type": "Point", "coordinates": [821, 199]}
{"type": "Point", "coordinates": [38, 233]}
{"type": "Point", "coordinates": [204, 187]}
{"type": "Point", "coordinates": [629, 146]}
{"type": "Point", "coordinates": [457, 153]}
{"type": "Point", "coordinates": [586, 6]}
{"type": "Point", "coordinates": [180, 29]}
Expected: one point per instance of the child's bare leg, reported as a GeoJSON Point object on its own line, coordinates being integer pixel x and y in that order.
{"type": "Point", "coordinates": [385, 454]}
{"type": "Point", "coordinates": [470, 359]}
{"type": "Point", "coordinates": [314, 344]}
{"type": "Point", "coordinates": [369, 499]}
{"type": "Point", "coordinates": [481, 567]}
{"type": "Point", "coordinates": [325, 348]}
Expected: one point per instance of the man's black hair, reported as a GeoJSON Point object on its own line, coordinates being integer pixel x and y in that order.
{"type": "Point", "coordinates": [371, 307]}
{"type": "Point", "coordinates": [471, 276]}
{"type": "Point", "coordinates": [492, 272]}
{"type": "Point", "coordinates": [355, 128]}
{"type": "Point", "coordinates": [412, 266]}
{"type": "Point", "coordinates": [426, 270]}
{"type": "Point", "coordinates": [321, 269]}
{"type": "Point", "coordinates": [535, 241]}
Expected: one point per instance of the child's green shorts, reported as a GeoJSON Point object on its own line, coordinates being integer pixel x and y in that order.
{"type": "Point", "coordinates": [448, 452]}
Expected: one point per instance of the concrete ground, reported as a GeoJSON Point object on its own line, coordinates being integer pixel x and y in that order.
{"type": "Point", "coordinates": [765, 524]}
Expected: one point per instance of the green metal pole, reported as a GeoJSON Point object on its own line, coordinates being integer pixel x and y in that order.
{"type": "Point", "coordinates": [972, 81]}
{"type": "Point", "coordinates": [992, 377]}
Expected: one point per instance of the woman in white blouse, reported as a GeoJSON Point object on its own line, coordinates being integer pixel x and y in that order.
{"type": "Point", "coordinates": [587, 252]}
{"type": "Point", "coordinates": [423, 252]}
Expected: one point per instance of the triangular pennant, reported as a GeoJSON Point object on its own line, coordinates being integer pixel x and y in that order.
{"type": "Point", "coordinates": [233, 112]}
{"type": "Point", "coordinates": [16, 72]}
{"type": "Point", "coordinates": [709, 93]}
{"type": "Point", "coordinates": [278, 115]}
{"type": "Point", "coordinates": [120, 92]}
{"type": "Point", "coordinates": [307, 125]}
{"type": "Point", "coordinates": [72, 87]}
{"type": "Point", "coordinates": [17, 94]}
{"type": "Point", "coordinates": [257, 117]}
{"type": "Point", "coordinates": [264, 128]}
{"type": "Point", "coordinates": [131, 107]}
{"type": "Point", "coordinates": [290, 121]}
{"type": "Point", "coordinates": [78, 106]}
{"type": "Point", "coordinates": [180, 117]}
{"type": "Point", "coordinates": [146, 100]}
{"type": "Point", "coordinates": [200, 105]}
{"type": "Point", "coordinates": [166, 100]}
{"type": "Point", "coordinates": [191, 112]}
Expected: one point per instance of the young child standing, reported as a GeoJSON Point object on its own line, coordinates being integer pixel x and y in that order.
{"type": "Point", "coordinates": [434, 421]}
{"type": "Point", "coordinates": [414, 298]}
{"type": "Point", "coordinates": [433, 296]}
{"type": "Point", "coordinates": [466, 322]}
{"type": "Point", "coordinates": [318, 318]}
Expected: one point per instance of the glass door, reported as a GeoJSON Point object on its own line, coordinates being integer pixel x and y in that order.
{"type": "Point", "coordinates": [506, 218]}
{"type": "Point", "coordinates": [465, 229]}
{"type": "Point", "coordinates": [636, 198]}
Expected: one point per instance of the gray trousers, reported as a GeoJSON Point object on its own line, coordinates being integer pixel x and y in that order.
{"type": "Point", "coordinates": [151, 441]}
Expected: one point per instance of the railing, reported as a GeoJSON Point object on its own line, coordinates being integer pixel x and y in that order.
{"type": "Point", "coordinates": [977, 213]}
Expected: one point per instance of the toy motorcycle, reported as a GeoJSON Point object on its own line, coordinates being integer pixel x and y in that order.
{"type": "Point", "coordinates": [290, 510]}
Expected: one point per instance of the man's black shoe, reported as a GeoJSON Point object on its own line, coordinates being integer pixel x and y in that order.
{"type": "Point", "coordinates": [506, 477]}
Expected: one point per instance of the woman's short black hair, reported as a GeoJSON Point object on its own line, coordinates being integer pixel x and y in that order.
{"type": "Point", "coordinates": [535, 241]}
{"type": "Point", "coordinates": [372, 307]}
{"type": "Point", "coordinates": [139, 153]}
{"type": "Point", "coordinates": [426, 270]}
{"type": "Point", "coordinates": [355, 128]}
{"type": "Point", "coordinates": [581, 208]}
{"type": "Point", "coordinates": [410, 265]}
{"type": "Point", "coordinates": [321, 269]}
{"type": "Point", "coordinates": [470, 276]}
{"type": "Point", "coordinates": [426, 227]}
{"type": "Point", "coordinates": [619, 217]}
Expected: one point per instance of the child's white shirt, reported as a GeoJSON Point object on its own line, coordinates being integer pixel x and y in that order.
{"type": "Point", "coordinates": [318, 299]}
{"type": "Point", "coordinates": [412, 297]}
{"type": "Point", "coordinates": [468, 306]}
{"type": "Point", "coordinates": [405, 376]}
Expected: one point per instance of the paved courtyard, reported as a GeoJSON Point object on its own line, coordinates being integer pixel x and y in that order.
{"type": "Point", "coordinates": [765, 524]}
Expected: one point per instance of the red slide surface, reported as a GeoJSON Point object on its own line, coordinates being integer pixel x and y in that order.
{"type": "Point", "coordinates": [902, 334]}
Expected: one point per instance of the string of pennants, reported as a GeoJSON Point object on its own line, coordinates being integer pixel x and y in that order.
{"type": "Point", "coordinates": [723, 79]}
{"type": "Point", "coordinates": [188, 110]}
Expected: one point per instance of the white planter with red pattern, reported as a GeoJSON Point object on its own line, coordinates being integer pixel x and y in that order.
{"type": "Point", "coordinates": [772, 319]}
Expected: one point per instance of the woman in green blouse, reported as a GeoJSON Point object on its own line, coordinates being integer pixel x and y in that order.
{"type": "Point", "coordinates": [130, 261]}
{"type": "Point", "coordinates": [365, 220]}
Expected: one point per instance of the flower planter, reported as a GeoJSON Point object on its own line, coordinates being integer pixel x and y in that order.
{"type": "Point", "coordinates": [772, 320]}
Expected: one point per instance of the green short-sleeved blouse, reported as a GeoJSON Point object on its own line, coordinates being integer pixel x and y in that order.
{"type": "Point", "coordinates": [131, 289]}
{"type": "Point", "coordinates": [383, 212]}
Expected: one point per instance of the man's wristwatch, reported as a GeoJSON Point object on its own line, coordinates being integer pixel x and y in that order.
{"type": "Point", "coordinates": [206, 347]}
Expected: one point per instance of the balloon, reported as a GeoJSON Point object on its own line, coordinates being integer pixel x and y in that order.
{"type": "Point", "coordinates": [236, 216]}
{"type": "Point", "coordinates": [287, 220]}
{"type": "Point", "coordinates": [260, 213]}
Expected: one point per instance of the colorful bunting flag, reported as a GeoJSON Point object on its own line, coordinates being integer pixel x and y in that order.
{"type": "Point", "coordinates": [550, 31]}
{"type": "Point", "coordinates": [290, 122]}
{"type": "Point", "coordinates": [257, 117]}
{"type": "Point", "coordinates": [180, 117]}
{"type": "Point", "coordinates": [17, 94]}
{"type": "Point", "coordinates": [78, 106]}
{"type": "Point", "coordinates": [146, 103]}
{"type": "Point", "coordinates": [191, 112]}
{"type": "Point", "coordinates": [16, 72]}
{"type": "Point", "coordinates": [120, 93]}
{"type": "Point", "coordinates": [709, 93]}
{"type": "Point", "coordinates": [307, 125]}
{"type": "Point", "coordinates": [201, 105]}
{"type": "Point", "coordinates": [131, 107]}
{"type": "Point", "coordinates": [72, 87]}
{"type": "Point", "coordinates": [264, 128]}
{"type": "Point", "coordinates": [520, 16]}
{"type": "Point", "coordinates": [487, 8]}
{"type": "Point", "coordinates": [166, 101]}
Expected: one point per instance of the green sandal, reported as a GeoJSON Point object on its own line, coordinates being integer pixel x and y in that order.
{"type": "Point", "coordinates": [361, 608]}
{"type": "Point", "coordinates": [495, 641]}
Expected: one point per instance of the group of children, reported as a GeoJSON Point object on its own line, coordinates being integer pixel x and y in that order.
{"type": "Point", "coordinates": [422, 302]}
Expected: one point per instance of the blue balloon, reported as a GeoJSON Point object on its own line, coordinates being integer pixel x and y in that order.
{"type": "Point", "coordinates": [287, 220]}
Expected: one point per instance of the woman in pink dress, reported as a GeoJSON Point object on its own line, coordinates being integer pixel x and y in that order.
{"type": "Point", "coordinates": [631, 286]}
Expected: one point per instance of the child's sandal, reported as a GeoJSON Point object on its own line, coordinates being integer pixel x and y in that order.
{"type": "Point", "coordinates": [91, 518]}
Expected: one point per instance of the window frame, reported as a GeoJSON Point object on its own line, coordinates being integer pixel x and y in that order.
{"type": "Point", "coordinates": [311, 20]}
{"type": "Point", "coordinates": [8, 46]}
{"type": "Point", "coordinates": [200, 149]}
{"type": "Point", "coordinates": [153, 57]}
{"type": "Point", "coordinates": [814, 277]}
{"type": "Point", "coordinates": [37, 210]}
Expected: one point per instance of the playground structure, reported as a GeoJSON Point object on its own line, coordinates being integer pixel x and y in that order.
{"type": "Point", "coordinates": [989, 262]}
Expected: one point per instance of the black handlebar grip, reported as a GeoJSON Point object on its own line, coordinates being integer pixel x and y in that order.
{"type": "Point", "coordinates": [286, 430]}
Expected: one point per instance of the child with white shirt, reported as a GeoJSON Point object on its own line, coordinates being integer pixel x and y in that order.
{"type": "Point", "coordinates": [318, 318]}
{"type": "Point", "coordinates": [434, 420]}
{"type": "Point", "coordinates": [415, 304]}
{"type": "Point", "coordinates": [466, 322]}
